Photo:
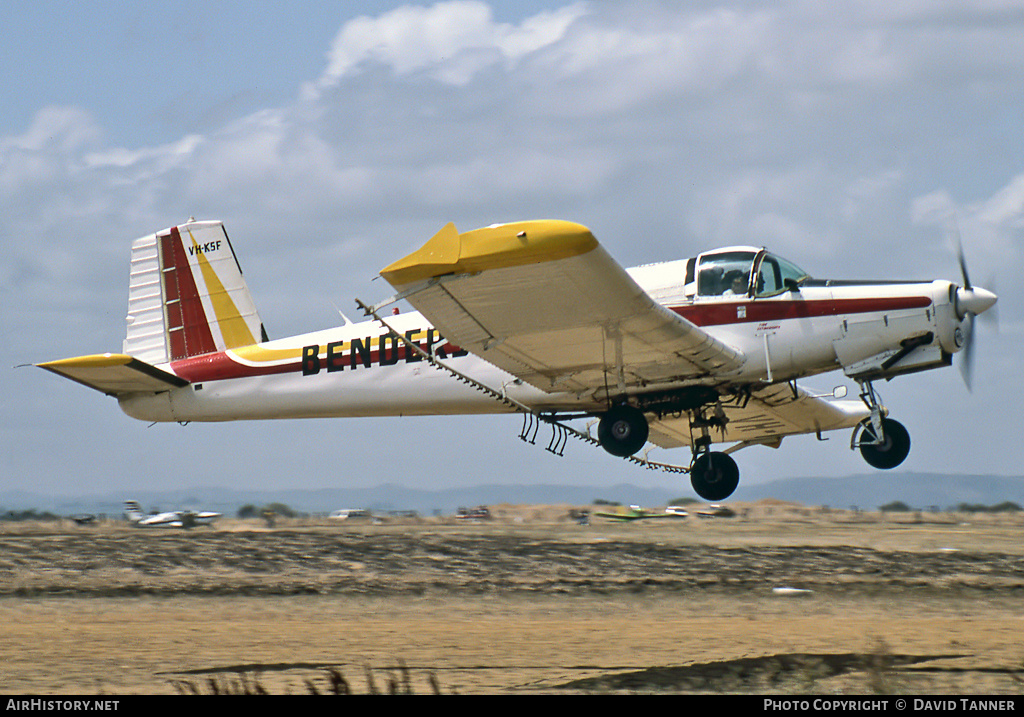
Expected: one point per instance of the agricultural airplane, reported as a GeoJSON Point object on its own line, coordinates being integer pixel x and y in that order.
{"type": "Point", "coordinates": [537, 318]}
{"type": "Point", "coordinates": [171, 519]}
{"type": "Point", "coordinates": [635, 512]}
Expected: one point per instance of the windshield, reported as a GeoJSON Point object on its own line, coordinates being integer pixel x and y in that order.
{"type": "Point", "coordinates": [725, 274]}
{"type": "Point", "coordinates": [774, 273]}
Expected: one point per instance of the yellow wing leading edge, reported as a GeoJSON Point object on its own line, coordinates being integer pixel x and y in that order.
{"type": "Point", "coordinates": [545, 302]}
{"type": "Point", "coordinates": [500, 246]}
{"type": "Point", "coordinates": [114, 374]}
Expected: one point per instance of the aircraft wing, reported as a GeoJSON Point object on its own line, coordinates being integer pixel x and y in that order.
{"type": "Point", "coordinates": [115, 374]}
{"type": "Point", "coordinates": [770, 414]}
{"type": "Point", "coordinates": [630, 518]}
{"type": "Point", "coordinates": [171, 519]}
{"type": "Point", "coordinates": [617, 516]}
{"type": "Point", "coordinates": [545, 302]}
{"type": "Point", "coordinates": [162, 523]}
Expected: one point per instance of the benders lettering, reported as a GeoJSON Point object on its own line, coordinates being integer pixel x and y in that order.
{"type": "Point", "coordinates": [360, 352]}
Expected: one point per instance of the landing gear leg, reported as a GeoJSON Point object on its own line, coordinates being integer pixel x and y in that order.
{"type": "Point", "coordinates": [713, 475]}
{"type": "Point", "coordinates": [883, 442]}
{"type": "Point", "coordinates": [870, 399]}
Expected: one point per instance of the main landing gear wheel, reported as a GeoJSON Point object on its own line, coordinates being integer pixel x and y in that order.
{"type": "Point", "coordinates": [714, 476]}
{"type": "Point", "coordinates": [893, 449]}
{"type": "Point", "coordinates": [623, 431]}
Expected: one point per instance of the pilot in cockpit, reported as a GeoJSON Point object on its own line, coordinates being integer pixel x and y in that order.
{"type": "Point", "coordinates": [736, 283]}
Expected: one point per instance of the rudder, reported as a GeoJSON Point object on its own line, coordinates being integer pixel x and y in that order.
{"type": "Point", "coordinates": [187, 296]}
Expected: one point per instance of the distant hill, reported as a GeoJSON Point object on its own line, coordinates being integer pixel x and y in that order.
{"type": "Point", "coordinates": [868, 491]}
{"type": "Point", "coordinates": [378, 498]}
{"type": "Point", "coordinates": [918, 490]}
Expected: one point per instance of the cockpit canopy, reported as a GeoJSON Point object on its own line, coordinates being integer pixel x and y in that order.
{"type": "Point", "coordinates": [744, 271]}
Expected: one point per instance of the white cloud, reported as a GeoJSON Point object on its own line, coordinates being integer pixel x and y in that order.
{"type": "Point", "coordinates": [878, 188]}
{"type": "Point", "coordinates": [697, 49]}
{"type": "Point", "coordinates": [54, 129]}
{"type": "Point", "coordinates": [990, 231]}
{"type": "Point", "coordinates": [450, 41]}
{"type": "Point", "coordinates": [1005, 207]}
{"type": "Point", "coordinates": [935, 208]}
{"type": "Point", "coordinates": [47, 151]}
{"type": "Point", "coordinates": [841, 136]}
{"type": "Point", "coordinates": [163, 156]}
{"type": "Point", "coordinates": [787, 123]}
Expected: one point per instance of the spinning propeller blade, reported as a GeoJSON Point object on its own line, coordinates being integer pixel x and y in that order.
{"type": "Point", "coordinates": [970, 302]}
{"type": "Point", "coordinates": [963, 261]}
{"type": "Point", "coordinates": [967, 362]}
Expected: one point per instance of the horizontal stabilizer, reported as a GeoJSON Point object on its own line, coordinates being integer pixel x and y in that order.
{"type": "Point", "coordinates": [115, 374]}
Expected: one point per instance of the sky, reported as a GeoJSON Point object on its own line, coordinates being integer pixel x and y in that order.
{"type": "Point", "coordinates": [333, 138]}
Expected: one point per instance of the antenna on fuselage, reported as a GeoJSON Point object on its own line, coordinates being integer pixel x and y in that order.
{"type": "Point", "coordinates": [346, 319]}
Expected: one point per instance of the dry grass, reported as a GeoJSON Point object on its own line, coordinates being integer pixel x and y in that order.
{"type": "Point", "coordinates": [526, 602]}
{"type": "Point", "coordinates": [332, 682]}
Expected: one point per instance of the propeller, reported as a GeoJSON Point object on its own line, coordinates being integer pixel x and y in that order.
{"type": "Point", "coordinates": [967, 362]}
{"type": "Point", "coordinates": [970, 302]}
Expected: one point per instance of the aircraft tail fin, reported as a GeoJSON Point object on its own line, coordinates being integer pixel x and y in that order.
{"type": "Point", "coordinates": [133, 511]}
{"type": "Point", "coordinates": [187, 296]}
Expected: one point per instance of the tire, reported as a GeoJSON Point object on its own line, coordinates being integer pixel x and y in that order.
{"type": "Point", "coordinates": [892, 451]}
{"type": "Point", "coordinates": [714, 476]}
{"type": "Point", "coordinates": [623, 431]}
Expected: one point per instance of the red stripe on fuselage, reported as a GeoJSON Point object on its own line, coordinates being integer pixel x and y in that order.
{"type": "Point", "coordinates": [219, 366]}
{"type": "Point", "coordinates": [759, 311]}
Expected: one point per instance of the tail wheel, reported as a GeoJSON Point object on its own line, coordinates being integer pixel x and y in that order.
{"type": "Point", "coordinates": [623, 431]}
{"type": "Point", "coordinates": [893, 449]}
{"type": "Point", "coordinates": [714, 476]}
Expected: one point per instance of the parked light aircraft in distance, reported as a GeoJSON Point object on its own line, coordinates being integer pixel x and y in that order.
{"type": "Point", "coordinates": [171, 519]}
{"type": "Point", "coordinates": [635, 512]}
{"type": "Point", "coordinates": [716, 511]}
{"type": "Point", "coordinates": [537, 318]}
{"type": "Point", "coordinates": [350, 513]}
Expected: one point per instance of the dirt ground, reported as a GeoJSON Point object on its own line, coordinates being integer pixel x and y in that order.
{"type": "Point", "coordinates": [778, 599]}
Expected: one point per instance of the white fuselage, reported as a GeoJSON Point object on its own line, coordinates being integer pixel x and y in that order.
{"type": "Point", "coordinates": [358, 370]}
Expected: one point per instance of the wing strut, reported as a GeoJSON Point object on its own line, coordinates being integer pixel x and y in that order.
{"type": "Point", "coordinates": [531, 418]}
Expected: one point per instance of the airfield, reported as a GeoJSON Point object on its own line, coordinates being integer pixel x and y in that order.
{"type": "Point", "coordinates": [779, 599]}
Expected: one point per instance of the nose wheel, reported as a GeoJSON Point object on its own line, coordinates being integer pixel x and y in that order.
{"type": "Point", "coordinates": [883, 442]}
{"type": "Point", "coordinates": [887, 450]}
